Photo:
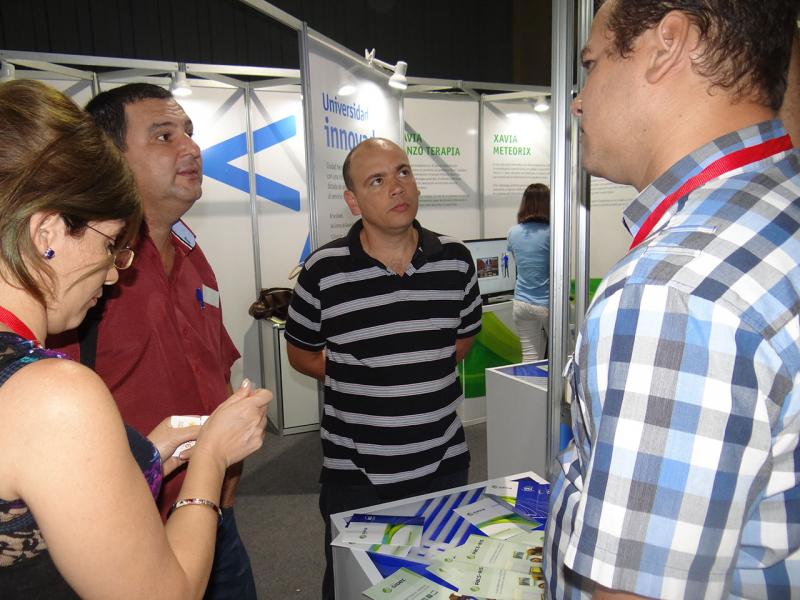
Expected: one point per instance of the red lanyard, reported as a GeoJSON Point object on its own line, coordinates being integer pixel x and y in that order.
{"type": "Point", "coordinates": [12, 321]}
{"type": "Point", "coordinates": [732, 161]}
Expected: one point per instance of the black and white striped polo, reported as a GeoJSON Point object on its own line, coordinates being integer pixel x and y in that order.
{"type": "Point", "coordinates": [391, 380]}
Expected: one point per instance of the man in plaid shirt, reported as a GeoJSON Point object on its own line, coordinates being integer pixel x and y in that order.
{"type": "Point", "coordinates": [683, 479]}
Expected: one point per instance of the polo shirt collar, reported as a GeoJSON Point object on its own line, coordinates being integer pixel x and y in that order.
{"type": "Point", "coordinates": [183, 238]}
{"type": "Point", "coordinates": [637, 211]}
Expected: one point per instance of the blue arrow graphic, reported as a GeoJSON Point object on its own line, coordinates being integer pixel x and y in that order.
{"type": "Point", "coordinates": [217, 159]}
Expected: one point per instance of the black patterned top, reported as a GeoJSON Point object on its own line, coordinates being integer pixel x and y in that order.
{"type": "Point", "coordinates": [20, 538]}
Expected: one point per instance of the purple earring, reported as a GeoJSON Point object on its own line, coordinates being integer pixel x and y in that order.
{"type": "Point", "coordinates": [49, 253]}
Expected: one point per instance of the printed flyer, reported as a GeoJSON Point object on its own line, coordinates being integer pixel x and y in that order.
{"type": "Point", "coordinates": [480, 551]}
{"type": "Point", "coordinates": [407, 585]}
{"type": "Point", "coordinates": [530, 538]}
{"type": "Point", "coordinates": [494, 584]}
{"type": "Point", "coordinates": [524, 497]}
{"type": "Point", "coordinates": [495, 520]}
{"type": "Point", "coordinates": [386, 530]}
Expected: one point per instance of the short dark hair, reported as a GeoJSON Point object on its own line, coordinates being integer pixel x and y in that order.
{"type": "Point", "coordinates": [535, 205]}
{"type": "Point", "coordinates": [108, 108]}
{"type": "Point", "coordinates": [748, 42]}
{"type": "Point", "coordinates": [54, 159]}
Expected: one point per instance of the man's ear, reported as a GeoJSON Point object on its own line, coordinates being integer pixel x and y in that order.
{"type": "Point", "coordinates": [352, 203]}
{"type": "Point", "coordinates": [46, 228]}
{"type": "Point", "coordinates": [672, 44]}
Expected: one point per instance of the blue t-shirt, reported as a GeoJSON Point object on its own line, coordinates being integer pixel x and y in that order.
{"type": "Point", "coordinates": [530, 245]}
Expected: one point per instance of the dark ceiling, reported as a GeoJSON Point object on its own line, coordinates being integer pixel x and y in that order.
{"type": "Point", "coordinates": [503, 41]}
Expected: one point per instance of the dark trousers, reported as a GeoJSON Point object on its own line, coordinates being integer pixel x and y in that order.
{"type": "Point", "coordinates": [339, 498]}
{"type": "Point", "coordinates": [231, 574]}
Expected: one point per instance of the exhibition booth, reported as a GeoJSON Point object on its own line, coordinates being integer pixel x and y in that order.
{"type": "Point", "coordinates": [273, 142]}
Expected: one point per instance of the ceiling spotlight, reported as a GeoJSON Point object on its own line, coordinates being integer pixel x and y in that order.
{"type": "Point", "coordinates": [180, 85]}
{"type": "Point", "coordinates": [542, 105]}
{"type": "Point", "coordinates": [398, 79]}
{"type": "Point", "coordinates": [6, 71]}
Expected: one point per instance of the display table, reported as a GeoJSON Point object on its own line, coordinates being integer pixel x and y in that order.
{"type": "Point", "coordinates": [357, 570]}
{"type": "Point", "coordinates": [295, 407]}
{"type": "Point", "coordinates": [516, 418]}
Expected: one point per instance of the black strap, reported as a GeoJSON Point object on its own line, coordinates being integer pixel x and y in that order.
{"type": "Point", "coordinates": [87, 334]}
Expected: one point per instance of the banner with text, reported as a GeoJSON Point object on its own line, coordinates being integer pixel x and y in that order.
{"type": "Point", "coordinates": [441, 140]}
{"type": "Point", "coordinates": [348, 102]}
{"type": "Point", "coordinates": [516, 153]}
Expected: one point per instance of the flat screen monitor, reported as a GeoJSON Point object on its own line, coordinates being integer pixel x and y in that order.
{"type": "Point", "coordinates": [495, 266]}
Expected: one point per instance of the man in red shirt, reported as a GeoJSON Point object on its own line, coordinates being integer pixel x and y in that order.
{"type": "Point", "coordinates": [160, 344]}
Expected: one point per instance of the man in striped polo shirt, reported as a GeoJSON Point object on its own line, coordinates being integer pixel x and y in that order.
{"type": "Point", "coordinates": [382, 316]}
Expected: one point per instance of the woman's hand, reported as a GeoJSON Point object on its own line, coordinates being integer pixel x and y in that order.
{"type": "Point", "coordinates": [237, 427]}
{"type": "Point", "coordinates": [167, 439]}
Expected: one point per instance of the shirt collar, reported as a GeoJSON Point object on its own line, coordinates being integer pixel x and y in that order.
{"type": "Point", "coordinates": [183, 238]}
{"type": "Point", "coordinates": [637, 211]}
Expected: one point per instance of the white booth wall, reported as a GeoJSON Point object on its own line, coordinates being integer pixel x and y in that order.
{"type": "Point", "coordinates": [516, 153]}
{"type": "Point", "coordinates": [442, 143]}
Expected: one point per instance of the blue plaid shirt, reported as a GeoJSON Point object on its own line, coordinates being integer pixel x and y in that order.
{"type": "Point", "coordinates": [683, 481]}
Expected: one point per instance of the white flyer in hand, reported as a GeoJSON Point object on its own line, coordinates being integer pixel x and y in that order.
{"type": "Point", "coordinates": [177, 421]}
{"type": "Point", "coordinates": [407, 585]}
{"type": "Point", "coordinates": [494, 520]}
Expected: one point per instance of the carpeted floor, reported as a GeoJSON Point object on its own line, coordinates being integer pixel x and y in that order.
{"type": "Point", "coordinates": [278, 518]}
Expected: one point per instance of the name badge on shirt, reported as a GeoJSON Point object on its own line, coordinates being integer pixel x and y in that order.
{"type": "Point", "coordinates": [210, 296]}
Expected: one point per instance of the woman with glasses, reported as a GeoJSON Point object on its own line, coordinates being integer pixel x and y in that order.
{"type": "Point", "coordinates": [77, 516]}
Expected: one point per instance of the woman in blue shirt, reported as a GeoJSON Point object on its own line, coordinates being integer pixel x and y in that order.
{"type": "Point", "coordinates": [529, 243]}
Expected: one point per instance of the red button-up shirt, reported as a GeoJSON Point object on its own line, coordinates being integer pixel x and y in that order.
{"type": "Point", "coordinates": [160, 349]}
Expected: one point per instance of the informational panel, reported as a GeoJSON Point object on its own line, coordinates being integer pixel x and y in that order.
{"type": "Point", "coordinates": [347, 102]}
{"type": "Point", "coordinates": [516, 153]}
{"type": "Point", "coordinates": [608, 238]}
{"type": "Point", "coordinates": [441, 140]}
{"type": "Point", "coordinates": [279, 144]}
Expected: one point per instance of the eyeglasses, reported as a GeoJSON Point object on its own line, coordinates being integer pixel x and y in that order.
{"type": "Point", "coordinates": [123, 257]}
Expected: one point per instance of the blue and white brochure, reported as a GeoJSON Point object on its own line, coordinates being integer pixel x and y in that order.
{"type": "Point", "coordinates": [525, 497]}
{"type": "Point", "coordinates": [384, 530]}
{"type": "Point", "coordinates": [495, 520]}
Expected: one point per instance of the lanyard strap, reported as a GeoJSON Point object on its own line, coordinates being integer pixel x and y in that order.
{"type": "Point", "coordinates": [727, 163]}
{"type": "Point", "coordinates": [13, 322]}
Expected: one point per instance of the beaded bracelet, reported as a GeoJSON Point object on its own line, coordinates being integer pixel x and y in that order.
{"type": "Point", "coordinates": [189, 501]}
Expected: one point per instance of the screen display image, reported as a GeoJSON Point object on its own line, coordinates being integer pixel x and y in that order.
{"type": "Point", "coordinates": [495, 266]}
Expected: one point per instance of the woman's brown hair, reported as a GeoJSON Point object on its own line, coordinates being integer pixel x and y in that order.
{"type": "Point", "coordinates": [54, 159]}
{"type": "Point", "coordinates": [535, 205]}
